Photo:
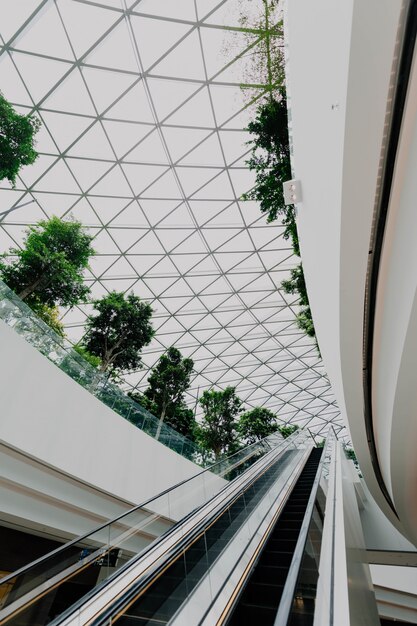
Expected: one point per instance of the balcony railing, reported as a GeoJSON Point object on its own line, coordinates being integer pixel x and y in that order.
{"type": "Point", "coordinates": [15, 313]}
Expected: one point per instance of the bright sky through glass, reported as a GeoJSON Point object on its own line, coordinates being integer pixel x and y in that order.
{"type": "Point", "coordinates": [142, 140]}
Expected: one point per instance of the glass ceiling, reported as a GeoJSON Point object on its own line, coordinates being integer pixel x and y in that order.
{"type": "Point", "coordinates": [142, 140]}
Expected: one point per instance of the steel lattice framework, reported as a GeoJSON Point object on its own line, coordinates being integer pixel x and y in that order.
{"type": "Point", "coordinates": [142, 140]}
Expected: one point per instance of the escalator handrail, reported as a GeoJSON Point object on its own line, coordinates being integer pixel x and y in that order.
{"type": "Point", "coordinates": [142, 505]}
{"type": "Point", "coordinates": [188, 538]}
{"type": "Point", "coordinates": [288, 592]}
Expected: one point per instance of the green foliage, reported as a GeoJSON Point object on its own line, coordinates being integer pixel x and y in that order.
{"type": "Point", "coordinates": [167, 384]}
{"type": "Point", "coordinates": [217, 431]}
{"type": "Point", "coordinates": [48, 270]}
{"type": "Point", "coordinates": [93, 360]}
{"type": "Point", "coordinates": [270, 158]}
{"type": "Point", "coordinates": [141, 399]}
{"type": "Point", "coordinates": [119, 331]}
{"type": "Point", "coordinates": [261, 28]}
{"type": "Point", "coordinates": [17, 134]}
{"type": "Point", "coordinates": [350, 454]}
{"type": "Point", "coordinates": [50, 315]}
{"type": "Point", "coordinates": [296, 284]}
{"type": "Point", "coordinates": [288, 430]}
{"type": "Point", "coordinates": [257, 424]}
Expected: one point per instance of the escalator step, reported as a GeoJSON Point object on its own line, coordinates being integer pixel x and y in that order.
{"type": "Point", "coordinates": [264, 594]}
{"type": "Point", "coordinates": [270, 574]}
{"type": "Point", "coordinates": [251, 614]}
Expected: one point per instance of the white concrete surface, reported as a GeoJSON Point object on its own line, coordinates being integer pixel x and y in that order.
{"type": "Point", "coordinates": [339, 82]}
{"type": "Point", "coordinates": [68, 462]}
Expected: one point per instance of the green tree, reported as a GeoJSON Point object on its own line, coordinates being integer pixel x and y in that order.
{"type": "Point", "coordinates": [50, 315]}
{"type": "Point", "coordinates": [119, 331]}
{"type": "Point", "coordinates": [288, 429]}
{"type": "Point", "coordinates": [48, 270]}
{"type": "Point", "coordinates": [218, 429]}
{"type": "Point", "coordinates": [257, 424]}
{"type": "Point", "coordinates": [270, 158]}
{"type": "Point", "coordinates": [95, 361]}
{"type": "Point", "coordinates": [167, 384]}
{"type": "Point", "coordinates": [17, 134]}
{"type": "Point", "coordinates": [297, 284]}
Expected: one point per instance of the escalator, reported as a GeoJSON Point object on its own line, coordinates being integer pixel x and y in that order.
{"type": "Point", "coordinates": [259, 602]}
{"type": "Point", "coordinates": [240, 541]}
{"type": "Point", "coordinates": [159, 601]}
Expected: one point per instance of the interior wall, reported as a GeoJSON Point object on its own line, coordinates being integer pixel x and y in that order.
{"type": "Point", "coordinates": [67, 460]}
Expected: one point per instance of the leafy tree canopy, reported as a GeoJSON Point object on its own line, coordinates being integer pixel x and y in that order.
{"type": "Point", "coordinates": [49, 268]}
{"type": "Point", "coordinates": [288, 430]}
{"type": "Point", "coordinates": [257, 424]}
{"type": "Point", "coordinates": [95, 361]}
{"type": "Point", "coordinates": [50, 315]}
{"type": "Point", "coordinates": [217, 432]}
{"type": "Point", "coordinates": [297, 284]}
{"type": "Point", "coordinates": [119, 331]}
{"type": "Point", "coordinates": [167, 384]}
{"type": "Point", "coordinates": [17, 134]}
{"type": "Point", "coordinates": [270, 158]}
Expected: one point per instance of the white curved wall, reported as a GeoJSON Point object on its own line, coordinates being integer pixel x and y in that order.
{"type": "Point", "coordinates": [395, 348]}
{"type": "Point", "coordinates": [339, 75]}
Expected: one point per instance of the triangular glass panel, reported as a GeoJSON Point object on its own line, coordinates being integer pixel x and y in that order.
{"type": "Point", "coordinates": [187, 263]}
{"type": "Point", "coordinates": [134, 106]}
{"type": "Point", "coordinates": [58, 179]}
{"type": "Point", "coordinates": [40, 74]}
{"type": "Point", "coordinates": [45, 35]}
{"type": "Point", "coordinates": [132, 215]}
{"type": "Point", "coordinates": [157, 210]}
{"type": "Point", "coordinates": [181, 10]}
{"type": "Point", "coordinates": [192, 245]}
{"type": "Point", "coordinates": [155, 37]}
{"type": "Point", "coordinates": [207, 153]}
{"type": "Point", "coordinates": [11, 83]}
{"type": "Point", "coordinates": [195, 112]}
{"type": "Point", "coordinates": [148, 245]}
{"type": "Point", "coordinates": [113, 184]}
{"type": "Point", "coordinates": [65, 129]}
{"type": "Point", "coordinates": [30, 173]}
{"type": "Point", "coordinates": [85, 23]}
{"type": "Point", "coordinates": [87, 171]}
{"type": "Point", "coordinates": [150, 150]}
{"type": "Point", "coordinates": [93, 144]}
{"type": "Point", "coordinates": [104, 53]}
{"type": "Point", "coordinates": [165, 188]}
{"type": "Point", "coordinates": [124, 135]}
{"type": "Point", "coordinates": [194, 178]}
{"type": "Point", "coordinates": [83, 212]}
{"type": "Point", "coordinates": [181, 140]}
{"type": "Point", "coordinates": [168, 95]}
{"type": "Point", "coordinates": [71, 95]}
{"type": "Point", "coordinates": [142, 176]}
{"type": "Point", "coordinates": [105, 86]}
{"type": "Point", "coordinates": [217, 189]}
{"type": "Point", "coordinates": [185, 61]}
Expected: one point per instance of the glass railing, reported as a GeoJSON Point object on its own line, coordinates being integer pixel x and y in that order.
{"type": "Point", "coordinates": [15, 313]}
{"type": "Point", "coordinates": [42, 587]}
